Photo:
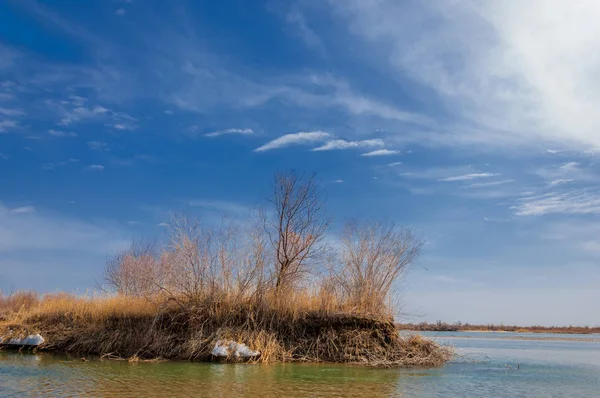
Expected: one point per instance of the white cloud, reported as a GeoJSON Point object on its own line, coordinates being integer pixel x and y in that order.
{"type": "Point", "coordinates": [339, 181]}
{"type": "Point", "coordinates": [287, 140]}
{"type": "Point", "coordinates": [567, 172]}
{"type": "Point", "coordinates": [74, 110]}
{"type": "Point", "coordinates": [229, 131]}
{"type": "Point", "coordinates": [58, 133]}
{"type": "Point", "coordinates": [11, 112]}
{"type": "Point", "coordinates": [394, 164]}
{"type": "Point", "coordinates": [168, 112]}
{"type": "Point", "coordinates": [97, 145]}
{"type": "Point", "coordinates": [82, 113]}
{"type": "Point", "coordinates": [560, 181]}
{"type": "Point", "coordinates": [580, 201]}
{"type": "Point", "coordinates": [490, 183]}
{"type": "Point", "coordinates": [5, 125]}
{"type": "Point", "coordinates": [95, 167]}
{"type": "Point", "coordinates": [4, 156]}
{"type": "Point", "coordinates": [343, 144]}
{"type": "Point", "coordinates": [308, 35]}
{"type": "Point", "coordinates": [22, 210]}
{"type": "Point", "coordinates": [520, 71]}
{"type": "Point", "coordinates": [381, 152]}
{"type": "Point", "coordinates": [471, 176]}
{"type": "Point", "coordinates": [120, 12]}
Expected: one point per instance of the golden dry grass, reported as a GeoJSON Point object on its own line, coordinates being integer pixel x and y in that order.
{"type": "Point", "coordinates": [302, 328]}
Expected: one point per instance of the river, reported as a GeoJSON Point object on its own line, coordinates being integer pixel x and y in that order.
{"type": "Point", "coordinates": [488, 365]}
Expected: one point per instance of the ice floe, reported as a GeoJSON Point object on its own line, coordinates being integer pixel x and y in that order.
{"type": "Point", "coordinates": [226, 348]}
{"type": "Point", "coordinates": [32, 339]}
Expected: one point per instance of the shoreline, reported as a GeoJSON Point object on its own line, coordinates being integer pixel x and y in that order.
{"type": "Point", "coordinates": [424, 327]}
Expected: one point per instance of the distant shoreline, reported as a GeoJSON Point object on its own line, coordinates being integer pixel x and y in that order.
{"type": "Point", "coordinates": [459, 327]}
{"type": "Point", "coordinates": [526, 338]}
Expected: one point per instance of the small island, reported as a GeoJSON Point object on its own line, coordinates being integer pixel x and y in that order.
{"type": "Point", "coordinates": [269, 289]}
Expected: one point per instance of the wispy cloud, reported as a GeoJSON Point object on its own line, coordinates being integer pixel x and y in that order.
{"type": "Point", "coordinates": [230, 131]}
{"type": "Point", "coordinates": [381, 152]}
{"type": "Point", "coordinates": [11, 112]}
{"type": "Point", "coordinates": [7, 125]}
{"type": "Point", "coordinates": [98, 145]}
{"type": "Point", "coordinates": [120, 12]}
{"type": "Point", "coordinates": [338, 181]}
{"type": "Point", "coordinates": [567, 172]}
{"type": "Point", "coordinates": [471, 176]}
{"type": "Point", "coordinates": [581, 201]}
{"type": "Point", "coordinates": [394, 164]}
{"type": "Point", "coordinates": [287, 140]}
{"type": "Point", "coordinates": [548, 94]}
{"type": "Point", "coordinates": [75, 109]}
{"type": "Point", "coordinates": [491, 183]}
{"type": "Point", "coordinates": [343, 144]}
{"type": "Point", "coordinates": [95, 167]}
{"type": "Point", "coordinates": [560, 181]}
{"type": "Point", "coordinates": [82, 113]}
{"type": "Point", "coordinates": [4, 156]}
{"type": "Point", "coordinates": [310, 38]}
{"type": "Point", "coordinates": [60, 133]}
{"type": "Point", "coordinates": [22, 210]}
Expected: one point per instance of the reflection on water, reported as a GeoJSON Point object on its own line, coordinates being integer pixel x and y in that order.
{"type": "Point", "coordinates": [488, 367]}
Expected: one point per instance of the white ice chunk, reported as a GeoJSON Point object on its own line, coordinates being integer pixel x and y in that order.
{"type": "Point", "coordinates": [220, 351]}
{"type": "Point", "coordinates": [32, 339]}
{"type": "Point", "coordinates": [237, 350]}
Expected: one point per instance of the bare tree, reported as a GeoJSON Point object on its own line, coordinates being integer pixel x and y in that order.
{"type": "Point", "coordinates": [134, 271]}
{"type": "Point", "coordinates": [374, 256]}
{"type": "Point", "coordinates": [296, 225]}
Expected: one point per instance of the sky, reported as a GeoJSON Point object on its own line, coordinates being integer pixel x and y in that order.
{"type": "Point", "coordinates": [473, 122]}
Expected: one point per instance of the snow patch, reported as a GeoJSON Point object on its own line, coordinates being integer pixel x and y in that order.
{"type": "Point", "coordinates": [32, 339]}
{"type": "Point", "coordinates": [226, 348]}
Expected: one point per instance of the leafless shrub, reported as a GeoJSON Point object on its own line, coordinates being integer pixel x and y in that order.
{"type": "Point", "coordinates": [134, 271]}
{"type": "Point", "coordinates": [373, 257]}
{"type": "Point", "coordinates": [277, 257]}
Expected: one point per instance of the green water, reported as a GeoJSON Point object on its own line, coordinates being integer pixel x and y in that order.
{"type": "Point", "coordinates": [488, 366]}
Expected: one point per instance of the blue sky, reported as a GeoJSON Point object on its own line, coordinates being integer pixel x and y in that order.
{"type": "Point", "coordinates": [474, 122]}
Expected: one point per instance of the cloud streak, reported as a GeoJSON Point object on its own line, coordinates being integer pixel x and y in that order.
{"type": "Point", "coordinates": [343, 144]}
{"type": "Point", "coordinates": [287, 140]}
{"type": "Point", "coordinates": [581, 201]}
{"type": "Point", "coordinates": [466, 177]}
{"type": "Point", "coordinates": [229, 132]}
{"type": "Point", "coordinates": [381, 152]}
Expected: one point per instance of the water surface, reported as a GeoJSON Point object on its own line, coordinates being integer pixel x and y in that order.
{"type": "Point", "coordinates": [487, 366]}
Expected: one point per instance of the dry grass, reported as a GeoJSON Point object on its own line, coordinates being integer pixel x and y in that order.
{"type": "Point", "coordinates": [142, 329]}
